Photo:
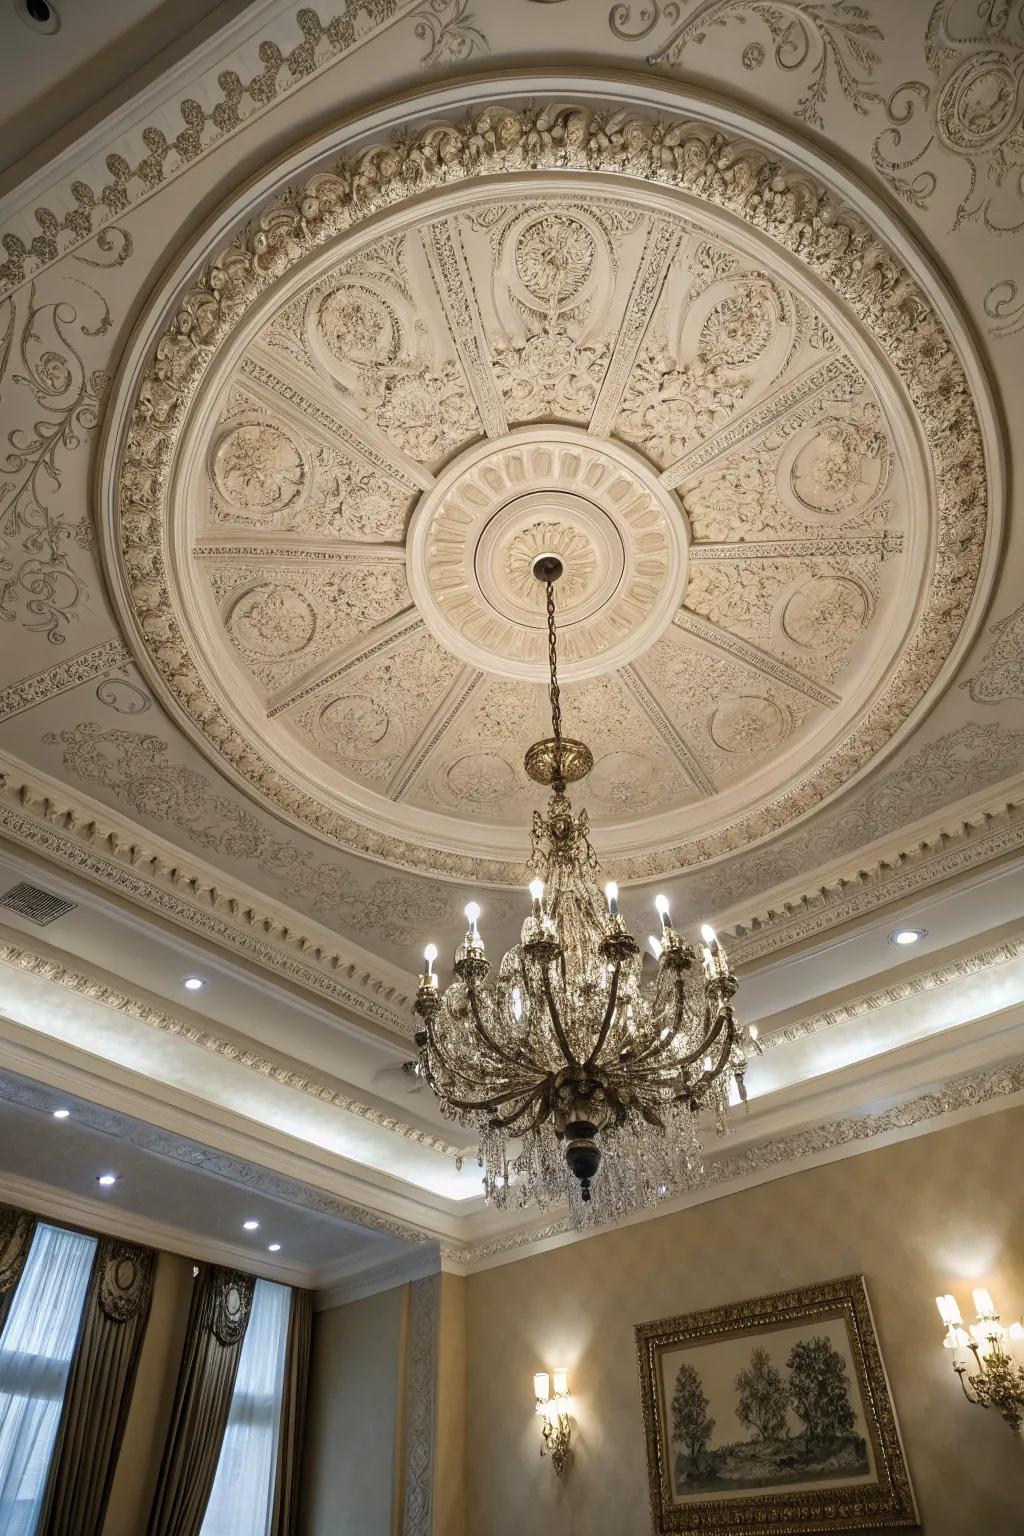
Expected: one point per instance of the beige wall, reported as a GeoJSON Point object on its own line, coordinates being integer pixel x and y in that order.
{"type": "Point", "coordinates": [139, 1461]}
{"type": "Point", "coordinates": [351, 1485]}
{"type": "Point", "coordinates": [937, 1213]}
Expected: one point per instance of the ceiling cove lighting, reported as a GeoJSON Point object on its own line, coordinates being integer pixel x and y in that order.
{"type": "Point", "coordinates": [193, 983]}
{"type": "Point", "coordinates": [581, 1074]}
{"type": "Point", "coordinates": [903, 936]}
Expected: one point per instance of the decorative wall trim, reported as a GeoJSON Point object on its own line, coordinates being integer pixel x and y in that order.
{"type": "Point", "coordinates": [422, 1347]}
{"type": "Point", "coordinates": [47, 967]}
{"type": "Point", "coordinates": [220, 88]}
{"type": "Point", "coordinates": [992, 956]}
{"type": "Point", "coordinates": [79, 834]}
{"type": "Point", "coordinates": [781, 1155]}
{"type": "Point", "coordinates": [30, 691]}
{"type": "Point", "coordinates": [952, 844]}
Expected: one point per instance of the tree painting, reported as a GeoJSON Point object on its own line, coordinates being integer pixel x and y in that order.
{"type": "Point", "coordinates": [819, 1390]}
{"type": "Point", "coordinates": [762, 1398]}
{"type": "Point", "coordinates": [692, 1425]}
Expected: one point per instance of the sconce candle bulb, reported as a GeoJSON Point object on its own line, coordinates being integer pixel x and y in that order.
{"type": "Point", "coordinates": [554, 1408]}
{"type": "Point", "coordinates": [992, 1379]}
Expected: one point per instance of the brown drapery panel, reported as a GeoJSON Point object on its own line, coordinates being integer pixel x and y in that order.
{"type": "Point", "coordinates": [17, 1229]}
{"type": "Point", "coordinates": [99, 1389]}
{"type": "Point", "coordinates": [293, 1415]}
{"type": "Point", "coordinates": [217, 1321]}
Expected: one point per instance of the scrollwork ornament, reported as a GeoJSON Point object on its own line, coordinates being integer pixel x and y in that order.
{"type": "Point", "coordinates": [1005, 309]}
{"type": "Point", "coordinates": [447, 26]}
{"type": "Point", "coordinates": [830, 39]}
{"type": "Point", "coordinates": [232, 1300]}
{"type": "Point", "coordinates": [38, 350]}
{"type": "Point", "coordinates": [973, 109]}
{"type": "Point", "coordinates": [124, 1278]}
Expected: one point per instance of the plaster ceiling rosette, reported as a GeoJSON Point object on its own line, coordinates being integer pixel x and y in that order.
{"type": "Point", "coordinates": [682, 364]}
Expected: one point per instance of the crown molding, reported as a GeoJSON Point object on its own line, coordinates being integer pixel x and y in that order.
{"type": "Point", "coordinates": [94, 1216]}
{"type": "Point", "coordinates": [910, 984]}
{"type": "Point", "coordinates": [78, 833]}
{"type": "Point", "coordinates": [339, 1284]}
{"type": "Point", "coordinates": [947, 845]}
{"type": "Point", "coordinates": [986, 1090]}
{"type": "Point", "coordinates": [46, 963]}
{"type": "Point", "coordinates": [238, 74]}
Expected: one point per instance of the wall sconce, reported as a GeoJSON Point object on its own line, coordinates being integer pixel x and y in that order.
{"type": "Point", "coordinates": [994, 1379]}
{"type": "Point", "coordinates": [554, 1408]}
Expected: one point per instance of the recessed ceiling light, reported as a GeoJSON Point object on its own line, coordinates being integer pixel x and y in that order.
{"type": "Point", "coordinates": [906, 935]}
{"type": "Point", "coordinates": [193, 983]}
{"type": "Point", "coordinates": [40, 15]}
{"type": "Point", "coordinates": [273, 1247]}
{"type": "Point", "coordinates": [61, 1114]}
{"type": "Point", "coordinates": [106, 1179]}
{"type": "Point", "coordinates": [251, 1226]}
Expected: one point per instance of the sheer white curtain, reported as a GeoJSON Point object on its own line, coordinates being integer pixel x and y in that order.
{"type": "Point", "coordinates": [242, 1500]}
{"type": "Point", "coordinates": [36, 1347]}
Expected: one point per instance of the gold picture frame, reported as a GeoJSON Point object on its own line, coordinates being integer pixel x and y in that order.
{"type": "Point", "coordinates": [799, 1377]}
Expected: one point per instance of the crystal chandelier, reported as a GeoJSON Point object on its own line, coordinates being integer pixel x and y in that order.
{"type": "Point", "coordinates": [584, 1078]}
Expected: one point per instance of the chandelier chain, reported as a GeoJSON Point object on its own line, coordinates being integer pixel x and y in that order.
{"type": "Point", "coordinates": [554, 691]}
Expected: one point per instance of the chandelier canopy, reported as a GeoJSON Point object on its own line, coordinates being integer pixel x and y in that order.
{"type": "Point", "coordinates": [583, 1076]}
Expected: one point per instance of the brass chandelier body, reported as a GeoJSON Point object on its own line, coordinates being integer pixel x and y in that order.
{"type": "Point", "coordinates": [583, 1075]}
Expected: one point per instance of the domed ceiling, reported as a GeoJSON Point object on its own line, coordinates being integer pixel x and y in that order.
{"type": "Point", "coordinates": [737, 480]}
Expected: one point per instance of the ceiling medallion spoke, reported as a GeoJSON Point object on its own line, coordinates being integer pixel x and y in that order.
{"type": "Point", "coordinates": [548, 332]}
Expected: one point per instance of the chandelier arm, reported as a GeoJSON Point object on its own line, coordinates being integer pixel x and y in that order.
{"type": "Point", "coordinates": [716, 1071]}
{"type": "Point", "coordinates": [489, 1040]}
{"type": "Point", "coordinates": [506, 1122]}
{"type": "Point", "coordinates": [609, 1014]}
{"type": "Point", "coordinates": [556, 1022]}
{"type": "Point", "coordinates": [492, 1102]}
{"type": "Point", "coordinates": [449, 1065]}
{"type": "Point", "coordinates": [974, 1401]}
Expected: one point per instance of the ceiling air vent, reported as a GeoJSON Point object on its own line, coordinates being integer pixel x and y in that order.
{"type": "Point", "coordinates": [38, 906]}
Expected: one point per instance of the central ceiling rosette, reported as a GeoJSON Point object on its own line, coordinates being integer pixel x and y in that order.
{"type": "Point", "coordinates": [738, 482]}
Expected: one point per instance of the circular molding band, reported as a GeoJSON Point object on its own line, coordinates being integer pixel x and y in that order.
{"type": "Point", "coordinates": [616, 129]}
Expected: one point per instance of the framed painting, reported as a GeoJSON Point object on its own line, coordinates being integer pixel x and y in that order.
{"type": "Point", "coordinates": [772, 1416]}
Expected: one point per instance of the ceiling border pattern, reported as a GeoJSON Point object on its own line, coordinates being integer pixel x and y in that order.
{"type": "Point", "coordinates": [770, 1158]}
{"type": "Point", "coordinates": [74, 836]}
{"type": "Point", "coordinates": [81, 836]}
{"type": "Point", "coordinates": [193, 1154]}
{"type": "Point", "coordinates": [727, 172]}
{"type": "Point", "coordinates": [951, 849]}
{"type": "Point", "coordinates": [227, 85]}
{"type": "Point", "coordinates": [17, 697]}
{"type": "Point", "coordinates": [45, 967]}
{"type": "Point", "coordinates": [989, 958]}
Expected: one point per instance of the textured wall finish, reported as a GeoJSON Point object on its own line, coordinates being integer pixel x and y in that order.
{"type": "Point", "coordinates": [917, 1219]}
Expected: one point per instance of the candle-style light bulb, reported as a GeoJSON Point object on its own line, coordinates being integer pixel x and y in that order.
{"type": "Point", "coordinates": [656, 946]}
{"type": "Point", "coordinates": [472, 917]}
{"type": "Point", "coordinates": [537, 891]}
{"type": "Point", "coordinates": [611, 892]}
{"type": "Point", "coordinates": [430, 955]}
{"type": "Point", "coordinates": [948, 1310]}
{"type": "Point", "coordinates": [983, 1303]}
{"type": "Point", "coordinates": [708, 934]}
{"type": "Point", "coordinates": [541, 1386]}
{"type": "Point", "coordinates": [661, 905]}
{"type": "Point", "coordinates": [560, 1383]}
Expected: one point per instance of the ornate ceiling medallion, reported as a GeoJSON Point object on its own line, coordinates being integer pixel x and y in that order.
{"type": "Point", "coordinates": [475, 535]}
{"type": "Point", "coordinates": [697, 377]}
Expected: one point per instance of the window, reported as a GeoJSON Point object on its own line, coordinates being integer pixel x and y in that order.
{"type": "Point", "coordinates": [242, 1500]}
{"type": "Point", "coordinates": [36, 1348]}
